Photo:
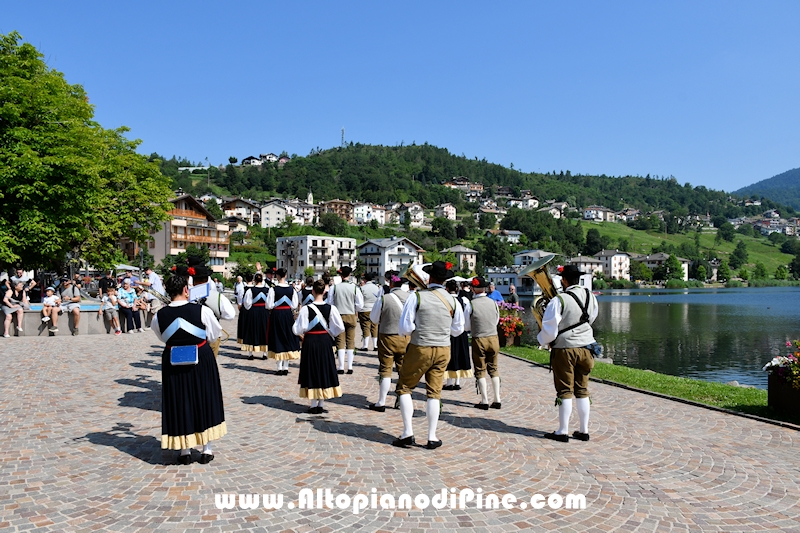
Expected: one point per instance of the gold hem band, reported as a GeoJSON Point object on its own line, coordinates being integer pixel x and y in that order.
{"type": "Point", "coordinates": [284, 356]}
{"type": "Point", "coordinates": [321, 394]}
{"type": "Point", "coordinates": [251, 348]}
{"type": "Point", "coordinates": [458, 374]}
{"type": "Point", "coordinates": [169, 442]}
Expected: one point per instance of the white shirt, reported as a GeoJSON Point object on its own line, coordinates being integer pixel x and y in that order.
{"type": "Point", "coordinates": [226, 309]}
{"type": "Point", "coordinates": [467, 312]}
{"type": "Point", "coordinates": [409, 315]}
{"type": "Point", "coordinates": [239, 291]}
{"type": "Point", "coordinates": [335, 324]}
{"type": "Point", "coordinates": [375, 314]}
{"type": "Point", "coordinates": [358, 303]}
{"type": "Point", "coordinates": [271, 297]}
{"type": "Point", "coordinates": [552, 317]}
{"type": "Point", "coordinates": [247, 301]}
{"type": "Point", "coordinates": [213, 328]}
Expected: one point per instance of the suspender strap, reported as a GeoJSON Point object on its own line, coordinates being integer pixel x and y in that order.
{"type": "Point", "coordinates": [584, 313]}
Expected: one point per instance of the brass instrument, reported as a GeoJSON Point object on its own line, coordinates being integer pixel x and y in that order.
{"type": "Point", "coordinates": [538, 272]}
{"type": "Point", "coordinates": [414, 274]}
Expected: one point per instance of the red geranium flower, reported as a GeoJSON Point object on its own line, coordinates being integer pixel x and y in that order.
{"type": "Point", "coordinates": [475, 282]}
{"type": "Point", "coordinates": [174, 268]}
{"type": "Point", "coordinates": [448, 265]}
{"type": "Point", "coordinates": [560, 269]}
{"type": "Point", "coordinates": [192, 271]}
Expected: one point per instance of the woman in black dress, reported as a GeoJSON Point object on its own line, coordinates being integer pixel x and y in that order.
{"type": "Point", "coordinates": [191, 395]}
{"type": "Point", "coordinates": [282, 301]}
{"type": "Point", "coordinates": [318, 324]}
{"type": "Point", "coordinates": [254, 334]}
{"type": "Point", "coordinates": [460, 365]}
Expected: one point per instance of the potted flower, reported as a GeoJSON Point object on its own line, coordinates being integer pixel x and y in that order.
{"type": "Point", "coordinates": [783, 384]}
{"type": "Point", "coordinates": [509, 330]}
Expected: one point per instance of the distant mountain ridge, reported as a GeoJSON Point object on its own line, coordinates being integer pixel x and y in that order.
{"type": "Point", "coordinates": [783, 188]}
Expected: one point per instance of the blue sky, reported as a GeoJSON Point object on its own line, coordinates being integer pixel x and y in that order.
{"type": "Point", "coordinates": [703, 91]}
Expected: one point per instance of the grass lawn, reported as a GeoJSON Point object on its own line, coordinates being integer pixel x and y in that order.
{"type": "Point", "coordinates": [745, 400]}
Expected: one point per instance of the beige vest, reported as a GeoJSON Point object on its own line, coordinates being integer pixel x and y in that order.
{"type": "Point", "coordinates": [433, 319]}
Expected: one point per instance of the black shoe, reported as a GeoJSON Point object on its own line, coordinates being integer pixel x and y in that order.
{"type": "Point", "coordinates": [557, 438]}
{"type": "Point", "coordinates": [456, 387]}
{"type": "Point", "coordinates": [340, 372]}
{"type": "Point", "coordinates": [205, 458]}
{"type": "Point", "coordinates": [378, 408]}
{"type": "Point", "coordinates": [433, 444]}
{"type": "Point", "coordinates": [495, 405]}
{"type": "Point", "coordinates": [284, 372]}
{"type": "Point", "coordinates": [263, 357]}
{"type": "Point", "coordinates": [404, 443]}
{"type": "Point", "coordinates": [482, 406]}
{"type": "Point", "coordinates": [350, 371]}
{"type": "Point", "coordinates": [250, 358]}
{"type": "Point", "coordinates": [580, 436]}
{"type": "Point", "coordinates": [396, 403]}
{"type": "Point", "coordinates": [185, 459]}
{"type": "Point", "coordinates": [447, 387]}
{"type": "Point", "coordinates": [311, 410]}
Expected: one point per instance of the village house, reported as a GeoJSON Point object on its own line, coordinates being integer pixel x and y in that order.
{"type": "Point", "coordinates": [244, 209]}
{"type": "Point", "coordinates": [273, 213]}
{"type": "Point", "coordinates": [380, 255]}
{"type": "Point", "coordinates": [414, 211]}
{"type": "Point", "coordinates": [586, 264]}
{"type": "Point", "coordinates": [295, 254]}
{"type": "Point", "coordinates": [511, 236]}
{"type": "Point", "coordinates": [463, 256]}
{"type": "Point", "coordinates": [598, 213]}
{"type": "Point", "coordinates": [554, 211]}
{"type": "Point", "coordinates": [616, 264]}
{"type": "Point", "coordinates": [447, 211]}
{"type": "Point", "coordinates": [251, 161]}
{"type": "Point", "coordinates": [653, 261]}
{"type": "Point", "coordinates": [528, 257]}
{"type": "Point", "coordinates": [341, 208]}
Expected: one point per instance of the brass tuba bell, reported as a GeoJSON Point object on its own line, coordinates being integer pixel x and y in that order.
{"type": "Point", "coordinates": [538, 271]}
{"type": "Point", "coordinates": [414, 274]}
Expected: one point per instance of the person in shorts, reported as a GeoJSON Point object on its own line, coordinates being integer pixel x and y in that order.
{"type": "Point", "coordinates": [71, 302]}
{"type": "Point", "coordinates": [51, 305]}
{"type": "Point", "coordinates": [108, 309]}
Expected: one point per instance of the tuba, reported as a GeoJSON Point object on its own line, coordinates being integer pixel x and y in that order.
{"type": "Point", "coordinates": [538, 271]}
{"type": "Point", "coordinates": [414, 274]}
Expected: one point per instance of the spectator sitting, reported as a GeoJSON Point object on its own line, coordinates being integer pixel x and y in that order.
{"type": "Point", "coordinates": [127, 299]}
{"type": "Point", "coordinates": [50, 308]}
{"type": "Point", "coordinates": [27, 282]}
{"type": "Point", "coordinates": [494, 294]}
{"type": "Point", "coordinates": [15, 300]}
{"type": "Point", "coordinates": [513, 297]}
{"type": "Point", "coordinates": [108, 308]}
{"type": "Point", "coordinates": [71, 302]}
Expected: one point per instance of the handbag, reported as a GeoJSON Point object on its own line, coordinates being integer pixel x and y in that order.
{"type": "Point", "coordinates": [183, 355]}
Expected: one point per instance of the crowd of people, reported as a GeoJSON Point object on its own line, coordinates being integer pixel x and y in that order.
{"type": "Point", "coordinates": [422, 324]}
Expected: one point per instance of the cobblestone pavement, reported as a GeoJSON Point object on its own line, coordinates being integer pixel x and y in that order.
{"type": "Point", "coordinates": [80, 451]}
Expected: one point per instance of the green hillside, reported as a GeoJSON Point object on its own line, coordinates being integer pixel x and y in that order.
{"type": "Point", "coordinates": [784, 188]}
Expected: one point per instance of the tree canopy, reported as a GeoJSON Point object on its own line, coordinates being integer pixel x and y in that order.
{"type": "Point", "coordinates": [67, 185]}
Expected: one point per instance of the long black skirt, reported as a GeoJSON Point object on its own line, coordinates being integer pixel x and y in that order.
{"type": "Point", "coordinates": [460, 365]}
{"type": "Point", "coordinates": [191, 402]}
{"type": "Point", "coordinates": [318, 379]}
{"type": "Point", "coordinates": [240, 324]}
{"type": "Point", "coordinates": [283, 344]}
{"type": "Point", "coordinates": [254, 336]}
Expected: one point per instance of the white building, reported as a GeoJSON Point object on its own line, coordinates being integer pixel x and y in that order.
{"type": "Point", "coordinates": [295, 254]}
{"type": "Point", "coordinates": [244, 209]}
{"type": "Point", "coordinates": [379, 214]}
{"type": "Point", "coordinates": [599, 213]}
{"type": "Point", "coordinates": [463, 255]}
{"type": "Point", "coordinates": [273, 213]}
{"type": "Point", "coordinates": [447, 211]}
{"type": "Point", "coordinates": [653, 261]}
{"type": "Point", "coordinates": [528, 257]}
{"type": "Point", "coordinates": [524, 203]}
{"type": "Point", "coordinates": [586, 264]}
{"type": "Point", "coordinates": [616, 264]}
{"type": "Point", "coordinates": [415, 211]}
{"type": "Point", "coordinates": [380, 255]}
{"type": "Point", "coordinates": [363, 213]}
{"type": "Point", "coordinates": [268, 158]}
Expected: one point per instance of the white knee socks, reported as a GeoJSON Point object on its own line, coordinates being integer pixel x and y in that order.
{"type": "Point", "coordinates": [458, 381]}
{"type": "Point", "coordinates": [207, 449]}
{"type": "Point", "coordinates": [341, 354]}
{"type": "Point", "coordinates": [314, 403]}
{"type": "Point", "coordinates": [432, 411]}
{"type": "Point", "coordinates": [583, 405]}
{"type": "Point", "coordinates": [386, 384]}
{"type": "Point", "coordinates": [482, 389]}
{"type": "Point", "coordinates": [496, 388]}
{"type": "Point", "coordinates": [407, 412]}
{"type": "Point", "coordinates": [319, 403]}
{"type": "Point", "coordinates": [350, 354]}
{"type": "Point", "coordinates": [365, 344]}
{"type": "Point", "coordinates": [564, 410]}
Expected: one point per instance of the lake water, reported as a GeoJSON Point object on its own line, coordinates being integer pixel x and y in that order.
{"type": "Point", "coordinates": [711, 334]}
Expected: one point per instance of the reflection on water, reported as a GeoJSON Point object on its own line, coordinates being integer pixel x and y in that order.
{"type": "Point", "coordinates": [711, 334]}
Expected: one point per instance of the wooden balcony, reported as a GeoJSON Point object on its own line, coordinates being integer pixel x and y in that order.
{"type": "Point", "coordinates": [188, 213]}
{"type": "Point", "coordinates": [198, 238]}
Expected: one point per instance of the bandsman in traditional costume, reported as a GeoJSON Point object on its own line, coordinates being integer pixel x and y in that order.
{"type": "Point", "coordinates": [567, 330]}
{"type": "Point", "coordinates": [430, 317]}
{"type": "Point", "coordinates": [485, 344]}
{"type": "Point", "coordinates": [192, 412]}
{"type": "Point", "coordinates": [369, 329]}
{"type": "Point", "coordinates": [348, 300]}
{"type": "Point", "coordinates": [282, 301]}
{"type": "Point", "coordinates": [460, 365]}
{"type": "Point", "coordinates": [391, 345]}
{"type": "Point", "coordinates": [318, 323]}
{"type": "Point", "coordinates": [218, 303]}
{"type": "Point", "coordinates": [255, 330]}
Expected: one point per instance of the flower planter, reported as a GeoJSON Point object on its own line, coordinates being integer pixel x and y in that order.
{"type": "Point", "coordinates": [782, 397]}
{"type": "Point", "coordinates": [513, 340]}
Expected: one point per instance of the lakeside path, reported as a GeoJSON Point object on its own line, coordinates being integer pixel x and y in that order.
{"type": "Point", "coordinates": [80, 451]}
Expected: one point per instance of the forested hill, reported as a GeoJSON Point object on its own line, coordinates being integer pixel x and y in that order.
{"type": "Point", "coordinates": [380, 174]}
{"type": "Point", "coordinates": [784, 187]}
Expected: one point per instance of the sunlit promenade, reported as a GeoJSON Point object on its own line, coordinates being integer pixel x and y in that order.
{"type": "Point", "coordinates": [80, 451]}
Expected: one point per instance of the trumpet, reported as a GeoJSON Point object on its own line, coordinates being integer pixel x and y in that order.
{"type": "Point", "coordinates": [414, 274]}
{"type": "Point", "coordinates": [538, 272]}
